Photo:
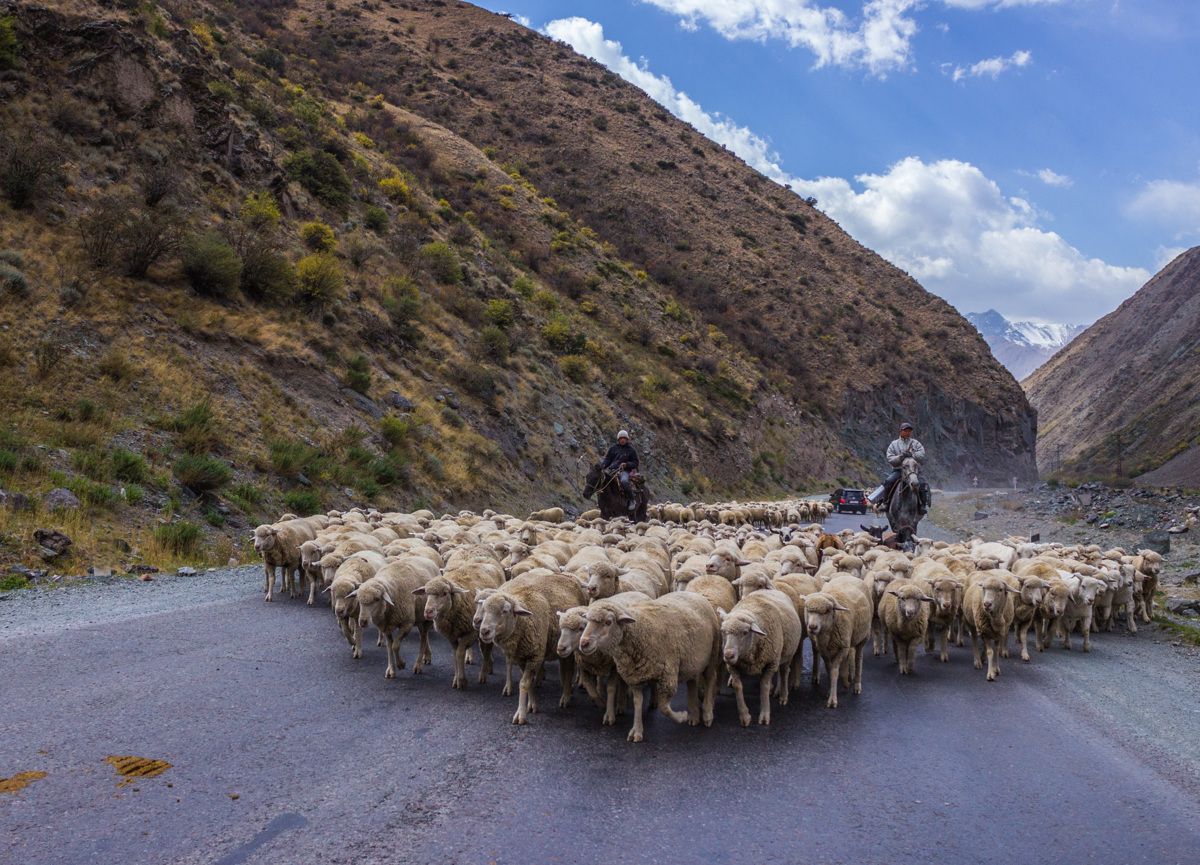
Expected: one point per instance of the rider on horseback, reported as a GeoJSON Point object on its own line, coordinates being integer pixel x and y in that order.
{"type": "Point", "coordinates": [622, 460]}
{"type": "Point", "coordinates": [905, 446]}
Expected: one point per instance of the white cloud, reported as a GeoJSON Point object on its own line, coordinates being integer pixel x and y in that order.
{"type": "Point", "coordinates": [992, 67]}
{"type": "Point", "coordinates": [1164, 255]}
{"type": "Point", "coordinates": [1050, 177]}
{"type": "Point", "coordinates": [879, 41]}
{"type": "Point", "coordinates": [944, 222]}
{"type": "Point", "coordinates": [997, 4]}
{"type": "Point", "coordinates": [1172, 204]}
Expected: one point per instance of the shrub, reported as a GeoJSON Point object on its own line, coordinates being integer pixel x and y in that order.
{"type": "Point", "coordinates": [396, 188]}
{"type": "Point", "coordinates": [360, 248]}
{"type": "Point", "coordinates": [115, 365]}
{"type": "Point", "coordinates": [500, 313]}
{"type": "Point", "coordinates": [260, 211]}
{"type": "Point", "coordinates": [303, 502]}
{"type": "Point", "coordinates": [289, 458]}
{"type": "Point", "coordinates": [9, 46]}
{"type": "Point", "coordinates": [245, 496]}
{"type": "Point", "coordinates": [560, 334]}
{"type": "Point", "coordinates": [318, 236]}
{"type": "Point", "coordinates": [99, 228]}
{"type": "Point", "coordinates": [129, 466]}
{"type": "Point", "coordinates": [402, 301]}
{"type": "Point", "coordinates": [266, 274]}
{"type": "Point", "coordinates": [134, 494]}
{"type": "Point", "coordinates": [8, 461]}
{"type": "Point", "coordinates": [523, 286]}
{"type": "Point", "coordinates": [478, 381]}
{"type": "Point", "coordinates": [26, 162]}
{"type": "Point", "coordinates": [181, 538]}
{"type": "Point", "coordinates": [271, 58]}
{"type": "Point", "coordinates": [495, 343]}
{"type": "Point", "coordinates": [318, 279]}
{"type": "Point", "coordinates": [92, 492]}
{"type": "Point", "coordinates": [441, 262]}
{"type": "Point", "coordinates": [396, 431]}
{"type": "Point", "coordinates": [147, 236]}
{"type": "Point", "coordinates": [576, 367]}
{"type": "Point", "coordinates": [158, 180]}
{"type": "Point", "coordinates": [211, 264]}
{"type": "Point", "coordinates": [358, 374]}
{"type": "Point", "coordinates": [12, 258]}
{"type": "Point", "coordinates": [201, 473]}
{"type": "Point", "coordinates": [376, 218]}
{"type": "Point", "coordinates": [13, 282]}
{"type": "Point", "coordinates": [545, 299]}
{"type": "Point", "coordinates": [322, 175]}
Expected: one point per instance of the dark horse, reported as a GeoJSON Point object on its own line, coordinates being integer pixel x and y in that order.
{"type": "Point", "coordinates": [611, 498]}
{"type": "Point", "coordinates": [904, 505]}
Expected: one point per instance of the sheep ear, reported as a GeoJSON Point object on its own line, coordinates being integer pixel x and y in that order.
{"type": "Point", "coordinates": [626, 619]}
{"type": "Point", "coordinates": [892, 592]}
{"type": "Point", "coordinates": [755, 629]}
{"type": "Point", "coordinates": [325, 590]}
{"type": "Point", "coordinates": [838, 606]}
{"type": "Point", "coordinates": [741, 564]}
{"type": "Point", "coordinates": [387, 599]}
{"type": "Point", "coordinates": [420, 590]}
{"type": "Point", "coordinates": [457, 590]}
{"type": "Point", "coordinates": [736, 582]}
{"type": "Point", "coordinates": [353, 593]}
{"type": "Point", "coordinates": [518, 610]}
{"type": "Point", "coordinates": [928, 599]}
{"type": "Point", "coordinates": [721, 614]}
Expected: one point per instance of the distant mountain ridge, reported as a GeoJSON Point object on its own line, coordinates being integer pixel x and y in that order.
{"type": "Point", "coordinates": [1123, 399]}
{"type": "Point", "coordinates": [1022, 346]}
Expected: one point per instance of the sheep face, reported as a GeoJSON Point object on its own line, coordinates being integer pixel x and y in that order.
{"type": "Point", "coordinates": [1033, 590]}
{"type": "Point", "coordinates": [265, 538]}
{"type": "Point", "coordinates": [498, 617]}
{"type": "Point", "coordinates": [945, 596]}
{"type": "Point", "coordinates": [372, 603]}
{"type": "Point", "coordinates": [681, 580]}
{"type": "Point", "coordinates": [602, 582]}
{"type": "Point", "coordinates": [738, 631]}
{"type": "Point", "coordinates": [748, 583]}
{"type": "Point", "coordinates": [820, 611]}
{"type": "Point", "coordinates": [310, 553]}
{"type": "Point", "coordinates": [993, 594]}
{"type": "Point", "coordinates": [439, 597]}
{"type": "Point", "coordinates": [881, 580]}
{"type": "Point", "coordinates": [604, 629]}
{"type": "Point", "coordinates": [481, 595]}
{"type": "Point", "coordinates": [1054, 604]}
{"type": "Point", "coordinates": [909, 600]}
{"type": "Point", "coordinates": [570, 628]}
{"type": "Point", "coordinates": [329, 564]}
{"type": "Point", "coordinates": [724, 564]}
{"type": "Point", "coordinates": [1089, 587]}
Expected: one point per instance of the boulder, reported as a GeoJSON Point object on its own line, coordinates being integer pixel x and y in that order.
{"type": "Point", "coordinates": [1160, 542]}
{"type": "Point", "coordinates": [60, 499]}
{"type": "Point", "coordinates": [399, 402]}
{"type": "Point", "coordinates": [52, 542]}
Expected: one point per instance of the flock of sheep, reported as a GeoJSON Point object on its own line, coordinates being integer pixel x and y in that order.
{"type": "Point", "coordinates": [729, 592]}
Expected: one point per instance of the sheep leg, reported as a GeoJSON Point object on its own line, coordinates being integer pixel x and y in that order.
{"type": "Point", "coordinates": [291, 572]}
{"type": "Point", "coordinates": [485, 667]}
{"type": "Point", "coordinates": [611, 688]}
{"type": "Point", "coordinates": [469, 657]}
{"type": "Point", "coordinates": [636, 733]}
{"type": "Point", "coordinates": [664, 690]}
{"type": "Point", "coordinates": [993, 650]}
{"type": "Point", "coordinates": [1130, 620]}
{"type": "Point", "coordinates": [347, 629]}
{"type": "Point", "coordinates": [312, 591]}
{"type": "Point", "coordinates": [789, 672]}
{"type": "Point", "coordinates": [975, 651]}
{"type": "Point", "coordinates": [395, 662]}
{"type": "Point", "coordinates": [423, 649]}
{"type": "Point", "coordinates": [591, 684]}
{"type": "Point", "coordinates": [506, 691]}
{"type": "Point", "coordinates": [878, 638]}
{"type": "Point", "coordinates": [834, 667]}
{"type": "Point", "coordinates": [912, 656]}
{"type": "Point", "coordinates": [566, 675]}
{"type": "Point", "coordinates": [1023, 638]}
{"type": "Point", "coordinates": [764, 695]}
{"type": "Point", "coordinates": [710, 694]}
{"type": "Point", "coordinates": [1087, 631]}
{"type": "Point", "coordinates": [526, 685]}
{"type": "Point", "coordinates": [816, 662]}
{"type": "Point", "coordinates": [358, 632]}
{"type": "Point", "coordinates": [857, 658]}
{"type": "Point", "coordinates": [743, 710]}
{"type": "Point", "coordinates": [693, 692]}
{"type": "Point", "coordinates": [460, 666]}
{"type": "Point", "coordinates": [945, 655]}
{"type": "Point", "coordinates": [270, 579]}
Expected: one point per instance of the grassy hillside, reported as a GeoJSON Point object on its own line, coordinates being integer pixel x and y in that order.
{"type": "Point", "coordinates": [279, 256]}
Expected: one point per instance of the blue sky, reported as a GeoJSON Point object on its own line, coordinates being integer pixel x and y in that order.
{"type": "Point", "coordinates": [1041, 157]}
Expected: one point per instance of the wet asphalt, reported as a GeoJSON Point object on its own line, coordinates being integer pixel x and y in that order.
{"type": "Point", "coordinates": [285, 750]}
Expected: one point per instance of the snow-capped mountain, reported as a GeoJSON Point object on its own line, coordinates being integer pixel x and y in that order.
{"type": "Point", "coordinates": [1022, 346]}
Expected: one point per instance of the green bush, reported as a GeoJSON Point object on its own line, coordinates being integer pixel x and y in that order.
{"type": "Point", "coordinates": [376, 218]}
{"type": "Point", "coordinates": [318, 236]}
{"type": "Point", "coordinates": [495, 343]}
{"type": "Point", "coordinates": [547, 300]}
{"type": "Point", "coordinates": [267, 275]}
{"type": "Point", "coordinates": [441, 262]}
{"type": "Point", "coordinates": [478, 381]}
{"type": "Point", "coordinates": [10, 48]}
{"type": "Point", "coordinates": [500, 313]}
{"type": "Point", "coordinates": [13, 282]}
{"type": "Point", "coordinates": [358, 373]}
{"type": "Point", "coordinates": [134, 494]}
{"type": "Point", "coordinates": [92, 492]}
{"type": "Point", "coordinates": [303, 502]}
{"type": "Point", "coordinates": [8, 461]}
{"type": "Point", "coordinates": [576, 367]}
{"type": "Point", "coordinates": [289, 457]}
{"type": "Point", "coordinates": [318, 279]}
{"type": "Point", "coordinates": [523, 286]}
{"type": "Point", "coordinates": [129, 466]}
{"type": "Point", "coordinates": [12, 258]}
{"type": "Point", "coordinates": [202, 473]}
{"type": "Point", "coordinates": [211, 264]}
{"type": "Point", "coordinates": [181, 538]}
{"type": "Point", "coordinates": [93, 463]}
{"type": "Point", "coordinates": [260, 211]}
{"type": "Point", "coordinates": [115, 365]}
{"type": "Point", "coordinates": [26, 163]}
{"type": "Point", "coordinates": [396, 431]}
{"type": "Point", "coordinates": [402, 300]}
{"type": "Point", "coordinates": [322, 175]}
{"type": "Point", "coordinates": [560, 334]}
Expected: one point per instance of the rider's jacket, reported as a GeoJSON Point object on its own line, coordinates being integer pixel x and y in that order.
{"type": "Point", "coordinates": [900, 448]}
{"type": "Point", "coordinates": [618, 454]}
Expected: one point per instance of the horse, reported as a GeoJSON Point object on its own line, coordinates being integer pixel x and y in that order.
{"type": "Point", "coordinates": [611, 498]}
{"type": "Point", "coordinates": [904, 505]}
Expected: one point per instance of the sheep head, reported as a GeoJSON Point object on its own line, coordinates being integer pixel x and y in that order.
{"type": "Point", "coordinates": [738, 630]}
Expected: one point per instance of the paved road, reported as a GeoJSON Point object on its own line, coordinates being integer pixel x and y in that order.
{"type": "Point", "coordinates": [1072, 758]}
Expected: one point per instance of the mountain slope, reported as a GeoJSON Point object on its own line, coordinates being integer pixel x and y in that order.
{"type": "Point", "coordinates": [1124, 397]}
{"type": "Point", "coordinates": [487, 255]}
{"type": "Point", "coordinates": [1022, 346]}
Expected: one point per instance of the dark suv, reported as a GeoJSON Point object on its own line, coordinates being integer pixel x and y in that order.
{"type": "Point", "coordinates": [849, 501]}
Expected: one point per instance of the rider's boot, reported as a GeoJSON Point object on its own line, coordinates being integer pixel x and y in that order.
{"type": "Point", "coordinates": [877, 496]}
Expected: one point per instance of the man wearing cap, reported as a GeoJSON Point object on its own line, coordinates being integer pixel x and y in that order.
{"type": "Point", "coordinates": [622, 459]}
{"type": "Point", "coordinates": [905, 446]}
